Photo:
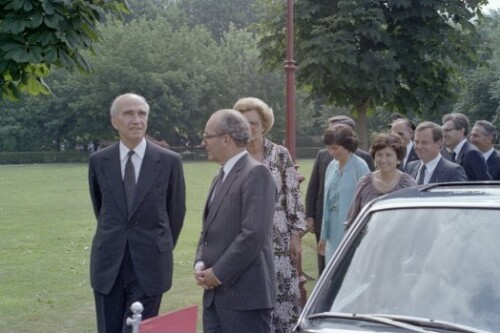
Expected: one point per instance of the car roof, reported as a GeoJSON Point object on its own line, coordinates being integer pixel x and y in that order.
{"type": "Point", "coordinates": [461, 194]}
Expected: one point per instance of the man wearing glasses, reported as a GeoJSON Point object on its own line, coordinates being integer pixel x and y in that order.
{"type": "Point", "coordinates": [234, 261]}
{"type": "Point", "coordinates": [455, 131]}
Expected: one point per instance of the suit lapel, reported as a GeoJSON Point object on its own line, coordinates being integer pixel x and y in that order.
{"type": "Point", "coordinates": [436, 172]}
{"type": "Point", "coordinates": [207, 202]}
{"type": "Point", "coordinates": [111, 168]}
{"type": "Point", "coordinates": [147, 176]}
{"type": "Point", "coordinates": [461, 154]}
{"type": "Point", "coordinates": [226, 185]}
{"type": "Point", "coordinates": [414, 170]}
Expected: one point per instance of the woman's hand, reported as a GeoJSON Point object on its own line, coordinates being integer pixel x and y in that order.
{"type": "Point", "coordinates": [295, 247]}
{"type": "Point", "coordinates": [321, 247]}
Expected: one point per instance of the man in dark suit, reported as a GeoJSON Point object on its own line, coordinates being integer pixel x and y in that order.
{"type": "Point", "coordinates": [138, 194]}
{"type": "Point", "coordinates": [484, 135]}
{"type": "Point", "coordinates": [234, 260]}
{"type": "Point", "coordinates": [404, 128]}
{"type": "Point", "coordinates": [432, 167]}
{"type": "Point", "coordinates": [455, 131]}
{"type": "Point", "coordinates": [316, 187]}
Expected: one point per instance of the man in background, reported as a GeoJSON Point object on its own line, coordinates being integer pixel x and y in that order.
{"type": "Point", "coordinates": [484, 135]}
{"type": "Point", "coordinates": [455, 131]}
{"type": "Point", "coordinates": [138, 194]}
{"type": "Point", "coordinates": [404, 128]}
{"type": "Point", "coordinates": [432, 167]}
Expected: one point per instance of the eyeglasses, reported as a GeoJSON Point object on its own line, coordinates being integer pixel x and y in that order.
{"type": "Point", "coordinates": [205, 136]}
{"type": "Point", "coordinates": [254, 123]}
{"type": "Point", "coordinates": [449, 129]}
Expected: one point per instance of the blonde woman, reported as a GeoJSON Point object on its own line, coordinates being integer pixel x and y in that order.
{"type": "Point", "coordinates": [289, 221]}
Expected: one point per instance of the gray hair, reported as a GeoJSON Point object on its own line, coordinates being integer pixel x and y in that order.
{"type": "Point", "coordinates": [235, 125]}
{"type": "Point", "coordinates": [114, 106]}
{"type": "Point", "coordinates": [459, 120]}
{"type": "Point", "coordinates": [488, 128]}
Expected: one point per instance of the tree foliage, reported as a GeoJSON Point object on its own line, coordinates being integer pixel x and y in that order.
{"type": "Point", "coordinates": [402, 54]}
{"type": "Point", "coordinates": [218, 15]}
{"type": "Point", "coordinates": [183, 73]}
{"type": "Point", "coordinates": [36, 36]}
{"type": "Point", "coordinates": [480, 97]}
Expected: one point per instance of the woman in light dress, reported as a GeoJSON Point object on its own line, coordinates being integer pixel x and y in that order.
{"type": "Point", "coordinates": [342, 175]}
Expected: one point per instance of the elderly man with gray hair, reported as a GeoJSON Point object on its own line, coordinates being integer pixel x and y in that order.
{"type": "Point", "coordinates": [234, 261]}
{"type": "Point", "coordinates": [484, 136]}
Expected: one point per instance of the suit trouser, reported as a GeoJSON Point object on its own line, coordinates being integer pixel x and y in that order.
{"type": "Point", "coordinates": [220, 320]}
{"type": "Point", "coordinates": [113, 309]}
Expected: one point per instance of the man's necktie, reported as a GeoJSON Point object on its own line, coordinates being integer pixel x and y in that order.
{"type": "Point", "coordinates": [421, 175]}
{"type": "Point", "coordinates": [453, 156]}
{"type": "Point", "coordinates": [129, 181]}
{"type": "Point", "coordinates": [218, 183]}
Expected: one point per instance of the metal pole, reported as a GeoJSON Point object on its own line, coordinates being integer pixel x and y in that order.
{"type": "Point", "coordinates": [135, 321]}
{"type": "Point", "coordinates": [290, 82]}
{"type": "Point", "coordinates": [290, 121]}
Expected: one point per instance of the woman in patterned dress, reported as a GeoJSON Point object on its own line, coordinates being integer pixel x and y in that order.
{"type": "Point", "coordinates": [289, 222]}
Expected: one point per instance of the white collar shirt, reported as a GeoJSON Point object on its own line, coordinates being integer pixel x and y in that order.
{"type": "Point", "coordinates": [409, 147]}
{"type": "Point", "coordinates": [430, 167]}
{"type": "Point", "coordinates": [137, 158]}
{"type": "Point", "coordinates": [458, 148]}
{"type": "Point", "coordinates": [228, 166]}
{"type": "Point", "coordinates": [488, 154]}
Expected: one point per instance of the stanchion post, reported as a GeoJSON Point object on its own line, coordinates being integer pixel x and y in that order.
{"type": "Point", "coordinates": [135, 321]}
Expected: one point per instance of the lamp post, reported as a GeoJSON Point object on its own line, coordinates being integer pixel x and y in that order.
{"type": "Point", "coordinates": [290, 120]}
{"type": "Point", "coordinates": [290, 82]}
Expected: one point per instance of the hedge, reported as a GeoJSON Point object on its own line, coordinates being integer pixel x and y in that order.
{"type": "Point", "coordinates": [82, 157]}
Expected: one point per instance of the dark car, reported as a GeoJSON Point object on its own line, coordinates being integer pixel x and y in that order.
{"type": "Point", "coordinates": [423, 259]}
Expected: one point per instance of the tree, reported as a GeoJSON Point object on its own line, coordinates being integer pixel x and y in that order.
{"type": "Point", "coordinates": [36, 36]}
{"type": "Point", "coordinates": [402, 54]}
{"type": "Point", "coordinates": [480, 97]}
{"type": "Point", "coordinates": [217, 15]}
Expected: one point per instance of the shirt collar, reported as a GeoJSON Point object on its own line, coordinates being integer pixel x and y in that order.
{"type": "Point", "coordinates": [458, 148]}
{"type": "Point", "coordinates": [409, 146]}
{"type": "Point", "coordinates": [139, 150]}
{"type": "Point", "coordinates": [431, 165]}
{"type": "Point", "coordinates": [488, 153]}
{"type": "Point", "coordinates": [228, 166]}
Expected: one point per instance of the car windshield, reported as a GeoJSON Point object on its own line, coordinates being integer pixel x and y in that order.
{"type": "Point", "coordinates": [434, 263]}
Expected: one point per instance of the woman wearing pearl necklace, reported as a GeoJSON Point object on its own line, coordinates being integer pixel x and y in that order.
{"type": "Point", "coordinates": [387, 151]}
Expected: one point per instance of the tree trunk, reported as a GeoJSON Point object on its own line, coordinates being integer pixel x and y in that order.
{"type": "Point", "coordinates": [362, 124]}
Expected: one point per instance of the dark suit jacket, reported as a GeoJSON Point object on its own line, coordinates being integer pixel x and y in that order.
{"type": "Point", "coordinates": [412, 157]}
{"type": "Point", "coordinates": [494, 165]}
{"type": "Point", "coordinates": [472, 160]}
{"type": "Point", "coordinates": [236, 239]}
{"type": "Point", "coordinates": [316, 187]}
{"type": "Point", "coordinates": [153, 227]}
{"type": "Point", "coordinates": [444, 172]}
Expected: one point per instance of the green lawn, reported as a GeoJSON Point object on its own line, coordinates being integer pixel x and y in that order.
{"type": "Point", "coordinates": [46, 227]}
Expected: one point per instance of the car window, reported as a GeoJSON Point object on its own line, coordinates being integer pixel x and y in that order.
{"type": "Point", "coordinates": [434, 263]}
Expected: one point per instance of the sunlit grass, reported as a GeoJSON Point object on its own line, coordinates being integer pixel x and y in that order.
{"type": "Point", "coordinates": [46, 226]}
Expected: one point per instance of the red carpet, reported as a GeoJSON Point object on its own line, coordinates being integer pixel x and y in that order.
{"type": "Point", "coordinates": [178, 321]}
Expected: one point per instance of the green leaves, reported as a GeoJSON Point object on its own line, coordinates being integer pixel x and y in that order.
{"type": "Point", "coordinates": [47, 33]}
{"type": "Point", "coordinates": [402, 53]}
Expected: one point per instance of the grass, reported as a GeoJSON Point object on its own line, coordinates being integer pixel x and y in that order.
{"type": "Point", "coordinates": [46, 227]}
